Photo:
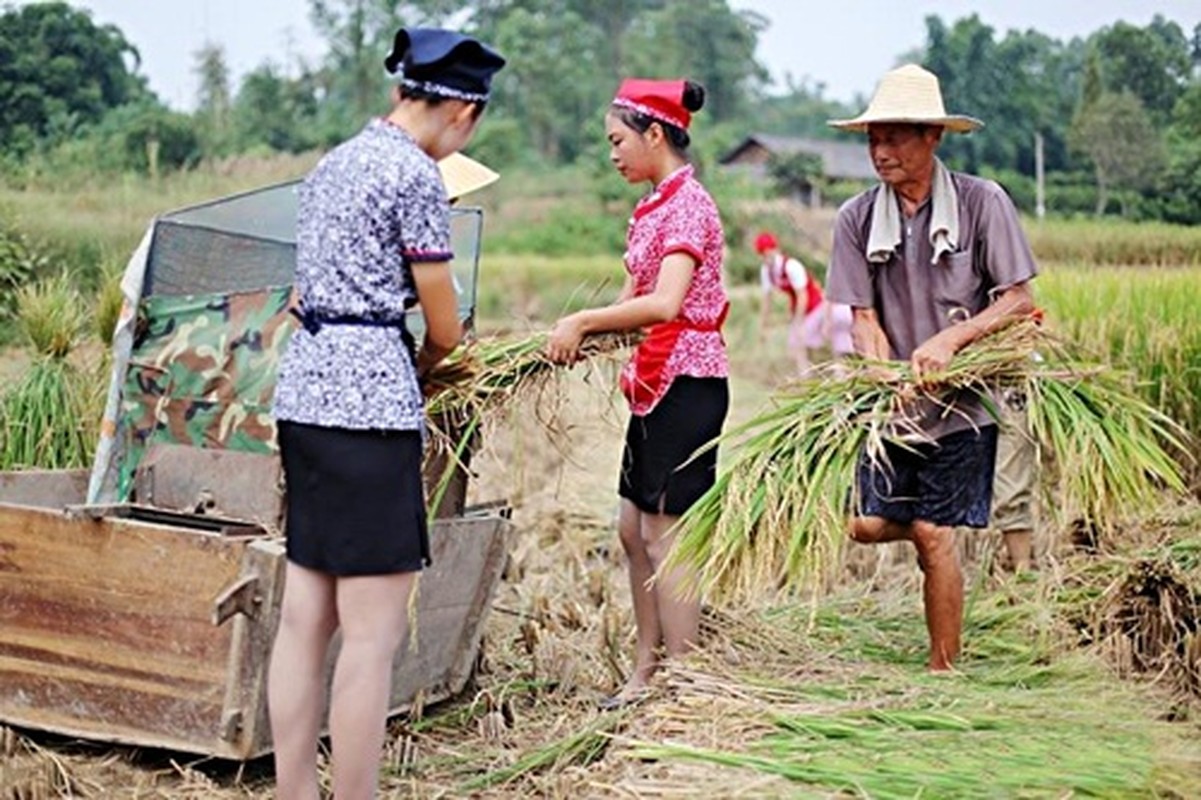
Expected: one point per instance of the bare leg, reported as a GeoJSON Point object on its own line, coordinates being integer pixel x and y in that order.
{"type": "Point", "coordinates": [1019, 546]}
{"type": "Point", "coordinates": [796, 343]}
{"type": "Point", "coordinates": [679, 614]}
{"type": "Point", "coordinates": [374, 612]}
{"type": "Point", "coordinates": [643, 594]}
{"type": "Point", "coordinates": [878, 530]}
{"type": "Point", "coordinates": [295, 679]}
{"type": "Point", "coordinates": [942, 591]}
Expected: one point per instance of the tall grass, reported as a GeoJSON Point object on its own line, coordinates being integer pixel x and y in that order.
{"type": "Point", "coordinates": [93, 224]}
{"type": "Point", "coordinates": [1145, 320]}
{"type": "Point", "coordinates": [1112, 242]}
{"type": "Point", "coordinates": [522, 288]}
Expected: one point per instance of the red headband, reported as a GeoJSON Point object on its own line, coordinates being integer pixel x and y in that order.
{"type": "Point", "coordinates": [659, 100]}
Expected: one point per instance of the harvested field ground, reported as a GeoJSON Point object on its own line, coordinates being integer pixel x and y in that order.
{"type": "Point", "coordinates": [800, 697]}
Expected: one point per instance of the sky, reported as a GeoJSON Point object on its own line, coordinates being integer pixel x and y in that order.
{"type": "Point", "coordinates": [844, 45]}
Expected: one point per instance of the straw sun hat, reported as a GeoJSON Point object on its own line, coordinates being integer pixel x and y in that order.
{"type": "Point", "coordinates": [908, 94]}
{"type": "Point", "coordinates": [463, 175]}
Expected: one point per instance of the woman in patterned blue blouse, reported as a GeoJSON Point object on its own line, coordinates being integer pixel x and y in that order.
{"type": "Point", "coordinates": [373, 240]}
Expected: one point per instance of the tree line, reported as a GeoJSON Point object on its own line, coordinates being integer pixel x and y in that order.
{"type": "Point", "coordinates": [1114, 117]}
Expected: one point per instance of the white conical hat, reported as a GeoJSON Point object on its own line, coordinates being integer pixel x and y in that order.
{"type": "Point", "coordinates": [463, 175]}
{"type": "Point", "coordinates": [908, 94]}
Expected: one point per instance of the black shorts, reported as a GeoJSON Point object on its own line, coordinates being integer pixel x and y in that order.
{"type": "Point", "coordinates": [657, 474]}
{"type": "Point", "coordinates": [355, 500]}
{"type": "Point", "coordinates": [946, 482]}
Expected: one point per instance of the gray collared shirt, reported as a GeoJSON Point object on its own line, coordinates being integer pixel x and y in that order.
{"type": "Point", "coordinates": [915, 299]}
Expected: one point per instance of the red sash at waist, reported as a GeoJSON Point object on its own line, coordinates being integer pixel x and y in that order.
{"type": "Point", "coordinates": [642, 379]}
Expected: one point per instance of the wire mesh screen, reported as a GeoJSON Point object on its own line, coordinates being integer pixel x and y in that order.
{"type": "Point", "coordinates": [247, 242]}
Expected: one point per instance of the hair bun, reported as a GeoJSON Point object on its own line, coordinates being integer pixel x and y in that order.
{"type": "Point", "coordinates": [694, 96]}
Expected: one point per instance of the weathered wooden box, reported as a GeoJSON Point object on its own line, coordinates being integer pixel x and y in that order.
{"type": "Point", "coordinates": [134, 626]}
{"type": "Point", "coordinates": [139, 599]}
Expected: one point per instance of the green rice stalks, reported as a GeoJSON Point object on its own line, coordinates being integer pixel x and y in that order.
{"type": "Point", "coordinates": [109, 302]}
{"type": "Point", "coordinates": [483, 375]}
{"type": "Point", "coordinates": [904, 753]}
{"type": "Point", "coordinates": [580, 748]}
{"type": "Point", "coordinates": [45, 422]}
{"type": "Point", "coordinates": [778, 511]}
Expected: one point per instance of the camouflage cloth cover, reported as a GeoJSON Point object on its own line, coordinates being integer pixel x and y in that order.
{"type": "Point", "coordinates": [202, 372]}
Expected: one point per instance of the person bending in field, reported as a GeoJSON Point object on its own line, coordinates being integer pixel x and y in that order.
{"type": "Point", "coordinates": [677, 381]}
{"type": "Point", "coordinates": [813, 321]}
{"type": "Point", "coordinates": [930, 261]}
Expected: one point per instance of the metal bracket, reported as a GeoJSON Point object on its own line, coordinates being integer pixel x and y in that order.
{"type": "Point", "coordinates": [242, 597]}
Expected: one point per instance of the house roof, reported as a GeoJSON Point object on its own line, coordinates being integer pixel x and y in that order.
{"type": "Point", "coordinates": [839, 159]}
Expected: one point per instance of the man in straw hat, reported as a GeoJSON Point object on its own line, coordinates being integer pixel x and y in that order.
{"type": "Point", "coordinates": [930, 260]}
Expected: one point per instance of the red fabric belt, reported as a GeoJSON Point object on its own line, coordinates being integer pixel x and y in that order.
{"type": "Point", "coordinates": [642, 380]}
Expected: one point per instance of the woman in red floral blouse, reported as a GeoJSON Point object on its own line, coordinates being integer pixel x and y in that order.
{"type": "Point", "coordinates": [677, 380]}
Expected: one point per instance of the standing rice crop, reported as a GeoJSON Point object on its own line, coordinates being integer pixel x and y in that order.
{"type": "Point", "coordinates": [778, 511]}
{"type": "Point", "coordinates": [1141, 319]}
{"type": "Point", "coordinates": [44, 416]}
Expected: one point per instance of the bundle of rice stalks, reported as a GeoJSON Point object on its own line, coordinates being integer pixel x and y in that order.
{"type": "Point", "coordinates": [778, 511]}
{"type": "Point", "coordinates": [51, 316]}
{"type": "Point", "coordinates": [48, 418]}
{"type": "Point", "coordinates": [1142, 609]}
{"type": "Point", "coordinates": [109, 302]}
{"type": "Point", "coordinates": [485, 374]}
{"type": "Point", "coordinates": [480, 379]}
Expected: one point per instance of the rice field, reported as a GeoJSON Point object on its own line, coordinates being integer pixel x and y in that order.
{"type": "Point", "coordinates": [1110, 242]}
{"type": "Point", "coordinates": [1081, 679]}
{"type": "Point", "coordinates": [1142, 319]}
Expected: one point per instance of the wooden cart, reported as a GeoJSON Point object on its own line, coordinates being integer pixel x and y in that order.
{"type": "Point", "coordinates": [139, 600]}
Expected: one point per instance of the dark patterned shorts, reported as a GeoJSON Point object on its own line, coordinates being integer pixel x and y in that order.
{"type": "Point", "coordinates": [946, 482]}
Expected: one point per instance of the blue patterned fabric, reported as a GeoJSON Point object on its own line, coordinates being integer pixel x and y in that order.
{"type": "Point", "coordinates": [373, 206]}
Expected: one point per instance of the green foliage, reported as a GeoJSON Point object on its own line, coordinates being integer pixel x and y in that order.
{"type": "Point", "coordinates": [706, 41]}
{"type": "Point", "coordinates": [566, 232]}
{"type": "Point", "coordinates": [1152, 63]}
{"type": "Point", "coordinates": [109, 302]}
{"type": "Point", "coordinates": [213, 109]}
{"type": "Point", "coordinates": [275, 112]}
{"type": "Point", "coordinates": [1022, 83]}
{"type": "Point", "coordinates": [143, 138]}
{"type": "Point", "coordinates": [802, 109]}
{"type": "Point", "coordinates": [20, 263]}
{"type": "Point", "coordinates": [1120, 140]}
{"type": "Point", "coordinates": [60, 71]}
{"type": "Point", "coordinates": [553, 87]}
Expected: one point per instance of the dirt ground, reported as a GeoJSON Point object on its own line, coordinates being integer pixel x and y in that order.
{"type": "Point", "coordinates": [558, 638]}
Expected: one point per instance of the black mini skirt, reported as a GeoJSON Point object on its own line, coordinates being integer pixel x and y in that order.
{"type": "Point", "coordinates": [658, 473]}
{"type": "Point", "coordinates": [355, 500]}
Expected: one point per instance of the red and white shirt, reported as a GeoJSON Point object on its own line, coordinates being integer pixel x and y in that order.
{"type": "Point", "coordinates": [790, 276]}
{"type": "Point", "coordinates": [679, 216]}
